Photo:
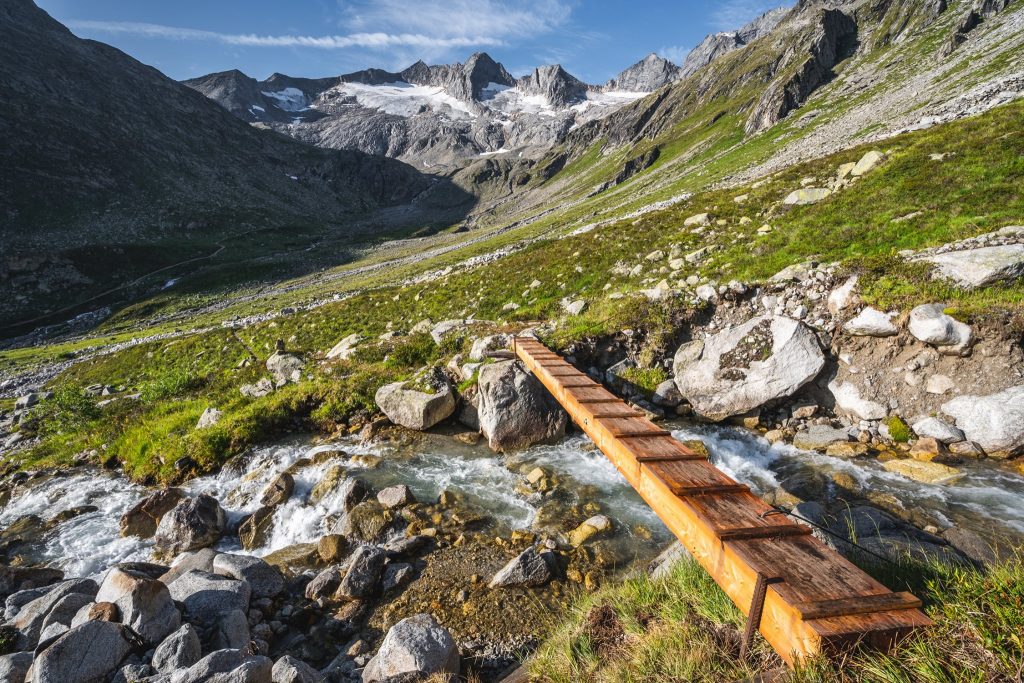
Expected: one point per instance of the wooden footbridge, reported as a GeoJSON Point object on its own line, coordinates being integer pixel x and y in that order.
{"type": "Point", "coordinates": [800, 594]}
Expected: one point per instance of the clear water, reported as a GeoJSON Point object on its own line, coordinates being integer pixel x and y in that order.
{"type": "Point", "coordinates": [986, 499]}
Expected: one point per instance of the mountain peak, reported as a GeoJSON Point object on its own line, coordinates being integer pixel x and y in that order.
{"type": "Point", "coordinates": [556, 84]}
{"type": "Point", "coordinates": [647, 75]}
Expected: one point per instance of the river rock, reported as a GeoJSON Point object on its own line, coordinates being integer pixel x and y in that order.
{"type": "Point", "coordinates": [193, 523]}
{"type": "Point", "coordinates": [742, 368]}
{"type": "Point", "coordinates": [216, 666]}
{"type": "Point", "coordinates": [14, 579]}
{"type": "Point", "coordinates": [253, 530]}
{"type": "Point", "coordinates": [363, 573]}
{"type": "Point", "coordinates": [206, 596]}
{"type": "Point", "coordinates": [871, 322]}
{"type": "Point", "coordinates": [201, 559]}
{"type": "Point", "coordinates": [930, 324]}
{"type": "Point", "coordinates": [288, 669]}
{"type": "Point", "coordinates": [345, 348]}
{"type": "Point", "coordinates": [31, 616]}
{"type": "Point", "coordinates": [974, 268]}
{"type": "Point", "coordinates": [486, 345]}
{"type": "Point", "coordinates": [264, 580]}
{"type": "Point", "coordinates": [179, 650]}
{"type": "Point", "coordinates": [848, 399]}
{"type": "Point", "coordinates": [332, 548]}
{"type": "Point", "coordinates": [413, 649]}
{"type": "Point", "coordinates": [589, 529]}
{"type": "Point", "coordinates": [414, 409]}
{"type": "Point", "coordinates": [528, 568]}
{"type": "Point", "coordinates": [819, 437]}
{"type": "Point", "coordinates": [285, 367]}
{"type": "Point", "coordinates": [667, 394]}
{"type": "Point", "coordinates": [994, 422]}
{"type": "Point", "coordinates": [231, 631]}
{"type": "Point", "coordinates": [145, 604]}
{"type": "Point", "coordinates": [14, 667]}
{"type": "Point", "coordinates": [366, 522]}
{"type": "Point", "coordinates": [515, 409]}
{"type": "Point", "coordinates": [60, 618]}
{"type": "Point", "coordinates": [925, 472]}
{"type": "Point", "coordinates": [278, 491]}
{"type": "Point", "coordinates": [324, 584]}
{"type": "Point", "coordinates": [396, 496]}
{"type": "Point", "coordinates": [142, 518]}
{"type": "Point", "coordinates": [932, 427]}
{"type": "Point", "coordinates": [85, 654]}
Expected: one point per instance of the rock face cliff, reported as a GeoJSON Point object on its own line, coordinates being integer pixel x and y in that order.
{"type": "Point", "coordinates": [647, 75]}
{"type": "Point", "coordinates": [717, 44]}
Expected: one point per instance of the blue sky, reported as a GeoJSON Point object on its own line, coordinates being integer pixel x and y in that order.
{"type": "Point", "coordinates": [593, 39]}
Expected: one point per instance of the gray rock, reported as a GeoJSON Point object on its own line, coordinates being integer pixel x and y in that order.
{"type": "Point", "coordinates": [14, 667]}
{"type": "Point", "coordinates": [995, 422]}
{"type": "Point", "coordinates": [515, 409]}
{"type": "Point", "coordinates": [485, 345]}
{"type": "Point", "coordinates": [661, 566]}
{"type": "Point", "coordinates": [807, 195]}
{"type": "Point", "coordinates": [345, 348]}
{"type": "Point", "coordinates": [201, 559]}
{"type": "Point", "coordinates": [14, 579]}
{"type": "Point", "coordinates": [363, 573]}
{"type": "Point", "coordinates": [147, 608]}
{"type": "Point", "coordinates": [132, 673]}
{"type": "Point", "coordinates": [446, 327]}
{"type": "Point", "coordinates": [85, 654]}
{"type": "Point", "coordinates": [929, 324]}
{"type": "Point", "coordinates": [849, 400]}
{"type": "Point", "coordinates": [742, 368]}
{"type": "Point", "coordinates": [265, 580]}
{"type": "Point", "coordinates": [397, 575]}
{"type": "Point", "coordinates": [871, 323]}
{"type": "Point", "coordinates": [288, 669]}
{"type": "Point", "coordinates": [210, 417]}
{"type": "Point", "coordinates": [231, 631]}
{"type": "Point", "coordinates": [31, 616]}
{"type": "Point", "coordinates": [395, 496]}
{"type": "Point", "coordinates": [974, 268]}
{"type": "Point", "coordinates": [647, 75]}
{"type": "Point", "coordinates": [206, 596]}
{"type": "Point", "coordinates": [529, 568]}
{"type": "Point", "coordinates": [142, 518]}
{"type": "Point", "coordinates": [324, 584]}
{"type": "Point", "coordinates": [279, 490]}
{"type": "Point", "coordinates": [285, 367]}
{"type": "Point", "coordinates": [367, 522]}
{"type": "Point", "coordinates": [415, 409]}
{"type": "Point", "coordinates": [940, 430]}
{"type": "Point", "coordinates": [972, 545]}
{"type": "Point", "coordinates": [260, 389]}
{"type": "Point", "coordinates": [15, 601]}
{"type": "Point", "coordinates": [414, 648]}
{"type": "Point", "coordinates": [819, 437]}
{"type": "Point", "coordinates": [667, 394]}
{"type": "Point", "coordinates": [179, 650]}
{"type": "Point", "coordinates": [192, 524]}
{"type": "Point", "coordinates": [62, 614]}
{"type": "Point", "coordinates": [226, 666]}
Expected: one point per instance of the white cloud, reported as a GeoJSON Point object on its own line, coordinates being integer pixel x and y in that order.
{"type": "Point", "coordinates": [674, 53]}
{"type": "Point", "coordinates": [733, 14]}
{"type": "Point", "coordinates": [374, 40]}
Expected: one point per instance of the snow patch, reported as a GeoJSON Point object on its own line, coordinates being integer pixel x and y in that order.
{"type": "Point", "coordinates": [289, 99]}
{"type": "Point", "coordinates": [404, 99]}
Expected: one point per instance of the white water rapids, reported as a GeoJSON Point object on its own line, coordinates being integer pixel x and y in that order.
{"type": "Point", "coordinates": [986, 499]}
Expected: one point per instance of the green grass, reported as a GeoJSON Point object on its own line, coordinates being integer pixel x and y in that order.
{"type": "Point", "coordinates": [684, 628]}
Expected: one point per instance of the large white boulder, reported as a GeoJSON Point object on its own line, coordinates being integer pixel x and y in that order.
{"type": "Point", "coordinates": [973, 268]}
{"type": "Point", "coordinates": [871, 322]}
{"type": "Point", "coordinates": [848, 399]}
{"type": "Point", "coordinates": [843, 296]}
{"type": "Point", "coordinates": [930, 324]}
{"type": "Point", "coordinates": [415, 409]}
{"type": "Point", "coordinates": [744, 367]}
{"type": "Point", "coordinates": [940, 430]}
{"type": "Point", "coordinates": [345, 348]}
{"type": "Point", "coordinates": [994, 422]}
{"type": "Point", "coordinates": [414, 648]}
{"type": "Point", "coordinates": [515, 410]}
{"type": "Point", "coordinates": [89, 652]}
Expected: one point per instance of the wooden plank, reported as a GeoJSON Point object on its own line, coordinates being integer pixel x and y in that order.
{"type": "Point", "coordinates": [711, 490]}
{"type": "Point", "coordinates": [814, 578]}
{"type": "Point", "coordinates": [861, 604]}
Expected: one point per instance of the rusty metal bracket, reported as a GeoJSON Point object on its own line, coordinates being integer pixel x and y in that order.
{"type": "Point", "coordinates": [756, 608]}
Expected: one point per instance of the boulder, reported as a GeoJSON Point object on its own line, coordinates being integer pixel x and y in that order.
{"type": "Point", "coordinates": [396, 496]}
{"type": "Point", "coordinates": [994, 422]}
{"type": "Point", "coordinates": [486, 345]}
{"type": "Point", "coordinates": [193, 523]}
{"type": "Point", "coordinates": [413, 649]}
{"type": "Point", "coordinates": [231, 631]}
{"type": "Point", "coordinates": [363, 573]}
{"type": "Point", "coordinates": [742, 368]}
{"type": "Point", "coordinates": [14, 579]}
{"type": "Point", "coordinates": [698, 219]}
{"type": "Point", "coordinates": [210, 417]}
{"type": "Point", "coordinates": [866, 163]}
{"type": "Point", "coordinates": [260, 389]}
{"type": "Point", "coordinates": [808, 195]}
{"type": "Point", "coordinates": [574, 307]}
{"type": "Point", "coordinates": [871, 322]}
{"type": "Point", "coordinates": [255, 528]}
{"type": "Point", "coordinates": [819, 438]}
{"type": "Point", "coordinates": [15, 667]}
{"type": "Point", "coordinates": [142, 518]}
{"type": "Point", "coordinates": [227, 666]}
{"type": "Point", "coordinates": [414, 409]}
{"type": "Point", "coordinates": [31, 616]}
{"type": "Point", "coordinates": [848, 399]}
{"type": "Point", "coordinates": [974, 268]}
{"type": "Point", "coordinates": [589, 529]}
{"type": "Point", "coordinates": [332, 548]}
{"type": "Point", "coordinates": [264, 580]}
{"type": "Point", "coordinates": [930, 324]}
{"type": "Point", "coordinates": [197, 559]}
{"type": "Point", "coordinates": [940, 430]}
{"type": "Point", "coordinates": [285, 367]}
{"type": "Point", "coordinates": [843, 296]}
{"type": "Point", "coordinates": [278, 491]}
{"type": "Point", "coordinates": [924, 472]}
{"type": "Point", "coordinates": [60, 617]}
{"type": "Point", "coordinates": [179, 650]}
{"type": "Point", "coordinates": [288, 669]}
{"type": "Point", "coordinates": [515, 410]}
{"type": "Point", "coordinates": [206, 596]}
{"type": "Point", "coordinates": [85, 654]}
{"type": "Point", "coordinates": [667, 394]}
{"type": "Point", "coordinates": [445, 328]}
{"type": "Point", "coordinates": [661, 566]}
{"type": "Point", "coordinates": [324, 584]}
{"type": "Point", "coordinates": [528, 568]}
{"type": "Point", "coordinates": [145, 604]}
{"type": "Point", "coordinates": [366, 522]}
{"type": "Point", "coordinates": [345, 348]}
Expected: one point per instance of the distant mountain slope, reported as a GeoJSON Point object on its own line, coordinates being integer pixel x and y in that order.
{"type": "Point", "coordinates": [100, 149]}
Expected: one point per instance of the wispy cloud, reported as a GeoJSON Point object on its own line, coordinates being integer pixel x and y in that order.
{"type": "Point", "coordinates": [732, 14]}
{"type": "Point", "coordinates": [375, 40]}
{"type": "Point", "coordinates": [674, 53]}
